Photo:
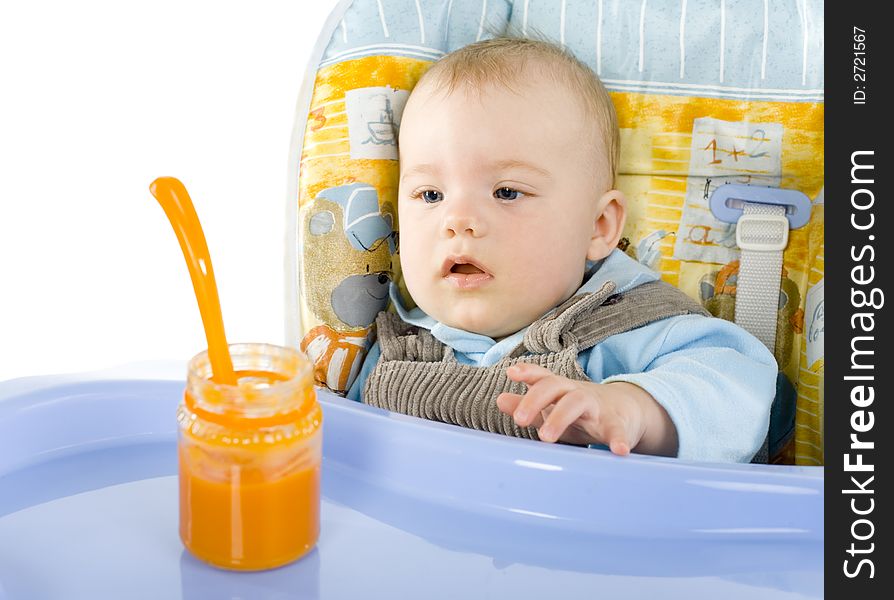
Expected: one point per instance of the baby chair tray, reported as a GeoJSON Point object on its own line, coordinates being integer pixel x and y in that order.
{"type": "Point", "coordinates": [411, 509]}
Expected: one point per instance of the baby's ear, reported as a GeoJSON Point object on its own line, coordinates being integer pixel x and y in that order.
{"type": "Point", "coordinates": [611, 213]}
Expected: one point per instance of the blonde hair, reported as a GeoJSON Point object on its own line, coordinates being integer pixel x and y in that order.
{"type": "Point", "coordinates": [502, 60]}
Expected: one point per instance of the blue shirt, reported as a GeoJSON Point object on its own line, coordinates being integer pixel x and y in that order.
{"type": "Point", "coordinates": [715, 380]}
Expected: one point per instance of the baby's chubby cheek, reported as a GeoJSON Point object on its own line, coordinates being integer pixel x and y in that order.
{"type": "Point", "coordinates": [419, 276]}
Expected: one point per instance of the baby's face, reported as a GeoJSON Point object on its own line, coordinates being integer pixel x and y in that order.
{"type": "Point", "coordinates": [498, 199]}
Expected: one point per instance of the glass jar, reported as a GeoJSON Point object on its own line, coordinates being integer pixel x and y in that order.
{"type": "Point", "coordinates": [249, 459]}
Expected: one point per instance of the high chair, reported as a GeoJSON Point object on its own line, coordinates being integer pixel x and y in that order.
{"type": "Point", "coordinates": [721, 113]}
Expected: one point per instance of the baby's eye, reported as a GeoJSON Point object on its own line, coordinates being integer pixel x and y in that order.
{"type": "Point", "coordinates": [430, 196]}
{"type": "Point", "coordinates": [507, 193]}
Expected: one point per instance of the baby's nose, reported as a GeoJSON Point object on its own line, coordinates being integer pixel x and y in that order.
{"type": "Point", "coordinates": [464, 224]}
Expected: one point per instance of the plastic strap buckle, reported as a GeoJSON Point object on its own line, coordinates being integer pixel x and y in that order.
{"type": "Point", "coordinates": [728, 200]}
{"type": "Point", "coordinates": [762, 233]}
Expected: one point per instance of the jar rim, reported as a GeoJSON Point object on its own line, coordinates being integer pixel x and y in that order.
{"type": "Point", "coordinates": [290, 368]}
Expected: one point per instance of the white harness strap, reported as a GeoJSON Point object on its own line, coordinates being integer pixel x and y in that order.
{"type": "Point", "coordinates": [762, 235]}
{"type": "Point", "coordinates": [762, 224]}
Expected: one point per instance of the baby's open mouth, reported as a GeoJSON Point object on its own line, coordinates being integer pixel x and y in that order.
{"type": "Point", "coordinates": [462, 265]}
{"type": "Point", "coordinates": [465, 268]}
{"type": "Point", "coordinates": [465, 273]}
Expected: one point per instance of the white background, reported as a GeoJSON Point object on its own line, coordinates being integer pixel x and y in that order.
{"type": "Point", "coordinates": [97, 99]}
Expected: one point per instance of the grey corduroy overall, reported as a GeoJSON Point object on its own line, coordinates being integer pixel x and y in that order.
{"type": "Point", "coordinates": [418, 375]}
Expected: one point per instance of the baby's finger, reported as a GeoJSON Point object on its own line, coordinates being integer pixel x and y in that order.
{"type": "Point", "coordinates": [619, 448]}
{"type": "Point", "coordinates": [567, 410]}
{"type": "Point", "coordinates": [507, 402]}
{"type": "Point", "coordinates": [616, 438]}
{"type": "Point", "coordinates": [527, 373]}
{"type": "Point", "coordinates": [539, 396]}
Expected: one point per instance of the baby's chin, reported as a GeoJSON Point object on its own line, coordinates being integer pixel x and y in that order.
{"type": "Point", "coordinates": [490, 322]}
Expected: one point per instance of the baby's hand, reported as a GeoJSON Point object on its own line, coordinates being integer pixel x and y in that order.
{"type": "Point", "coordinates": [620, 415]}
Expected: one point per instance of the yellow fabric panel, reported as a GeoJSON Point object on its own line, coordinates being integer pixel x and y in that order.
{"type": "Point", "coordinates": [809, 420]}
{"type": "Point", "coordinates": [325, 261]}
{"type": "Point", "coordinates": [325, 155]}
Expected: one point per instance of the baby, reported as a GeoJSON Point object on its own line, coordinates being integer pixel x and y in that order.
{"type": "Point", "coordinates": [529, 320]}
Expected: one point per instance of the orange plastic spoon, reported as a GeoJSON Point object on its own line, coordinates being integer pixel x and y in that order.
{"type": "Point", "coordinates": [175, 201]}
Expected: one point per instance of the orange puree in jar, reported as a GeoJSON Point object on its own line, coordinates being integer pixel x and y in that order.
{"type": "Point", "coordinates": [255, 525]}
{"type": "Point", "coordinates": [250, 465]}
